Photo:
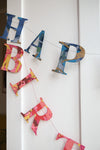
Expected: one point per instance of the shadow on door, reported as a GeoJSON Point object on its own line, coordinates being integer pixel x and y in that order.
{"type": "Point", "coordinates": [3, 8]}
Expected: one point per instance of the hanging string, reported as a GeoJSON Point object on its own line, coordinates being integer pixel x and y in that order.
{"type": "Point", "coordinates": [51, 43]}
{"type": "Point", "coordinates": [31, 82]}
{"type": "Point", "coordinates": [56, 45]}
{"type": "Point", "coordinates": [44, 39]}
{"type": "Point", "coordinates": [35, 95]}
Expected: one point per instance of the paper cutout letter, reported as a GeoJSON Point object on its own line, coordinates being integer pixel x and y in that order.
{"type": "Point", "coordinates": [18, 29]}
{"type": "Point", "coordinates": [47, 116]}
{"type": "Point", "coordinates": [63, 56]}
{"type": "Point", "coordinates": [69, 144]}
{"type": "Point", "coordinates": [23, 82]}
{"type": "Point", "coordinates": [39, 47]}
{"type": "Point", "coordinates": [7, 58]}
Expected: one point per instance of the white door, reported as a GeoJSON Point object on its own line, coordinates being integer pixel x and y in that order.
{"type": "Point", "coordinates": [90, 85]}
{"type": "Point", "coordinates": [73, 98]}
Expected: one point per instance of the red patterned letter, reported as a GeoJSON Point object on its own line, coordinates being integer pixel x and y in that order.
{"type": "Point", "coordinates": [37, 118]}
{"type": "Point", "coordinates": [24, 81]}
{"type": "Point", "coordinates": [69, 144]}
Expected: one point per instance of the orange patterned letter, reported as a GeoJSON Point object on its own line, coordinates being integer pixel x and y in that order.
{"type": "Point", "coordinates": [7, 58]}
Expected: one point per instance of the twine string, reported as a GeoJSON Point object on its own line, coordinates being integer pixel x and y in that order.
{"type": "Point", "coordinates": [51, 43]}
{"type": "Point", "coordinates": [35, 95]}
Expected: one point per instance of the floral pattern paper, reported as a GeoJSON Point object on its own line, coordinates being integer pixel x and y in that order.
{"type": "Point", "coordinates": [47, 116]}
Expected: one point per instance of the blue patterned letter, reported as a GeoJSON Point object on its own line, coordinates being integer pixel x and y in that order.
{"type": "Point", "coordinates": [63, 56]}
{"type": "Point", "coordinates": [18, 29]}
{"type": "Point", "coordinates": [39, 47]}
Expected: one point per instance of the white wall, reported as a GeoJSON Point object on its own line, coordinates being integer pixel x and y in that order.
{"type": "Point", "coordinates": [59, 19]}
{"type": "Point", "coordinates": [13, 102]}
{"type": "Point", "coordinates": [56, 89]}
{"type": "Point", "coordinates": [90, 89]}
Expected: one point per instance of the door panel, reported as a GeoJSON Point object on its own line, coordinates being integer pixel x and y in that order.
{"type": "Point", "coordinates": [90, 85]}
{"type": "Point", "coordinates": [63, 94]}
{"type": "Point", "coordinates": [13, 102]}
{"type": "Point", "coordinates": [52, 17]}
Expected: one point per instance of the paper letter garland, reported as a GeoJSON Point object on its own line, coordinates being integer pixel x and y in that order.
{"type": "Point", "coordinates": [63, 56]}
{"type": "Point", "coordinates": [39, 47]}
{"type": "Point", "coordinates": [47, 116]}
{"type": "Point", "coordinates": [69, 144]}
{"type": "Point", "coordinates": [7, 58]}
{"type": "Point", "coordinates": [23, 82]}
{"type": "Point", "coordinates": [18, 29]}
{"type": "Point", "coordinates": [60, 69]}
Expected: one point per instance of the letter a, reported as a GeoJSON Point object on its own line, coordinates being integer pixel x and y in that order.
{"type": "Point", "coordinates": [63, 56]}
{"type": "Point", "coordinates": [18, 29]}
{"type": "Point", "coordinates": [7, 58]}
{"type": "Point", "coordinates": [47, 116]}
{"type": "Point", "coordinates": [39, 47]}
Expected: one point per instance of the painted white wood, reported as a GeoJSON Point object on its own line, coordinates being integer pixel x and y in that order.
{"type": "Point", "coordinates": [90, 85]}
{"type": "Point", "coordinates": [59, 20]}
{"type": "Point", "coordinates": [61, 93]}
{"type": "Point", "coordinates": [13, 102]}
